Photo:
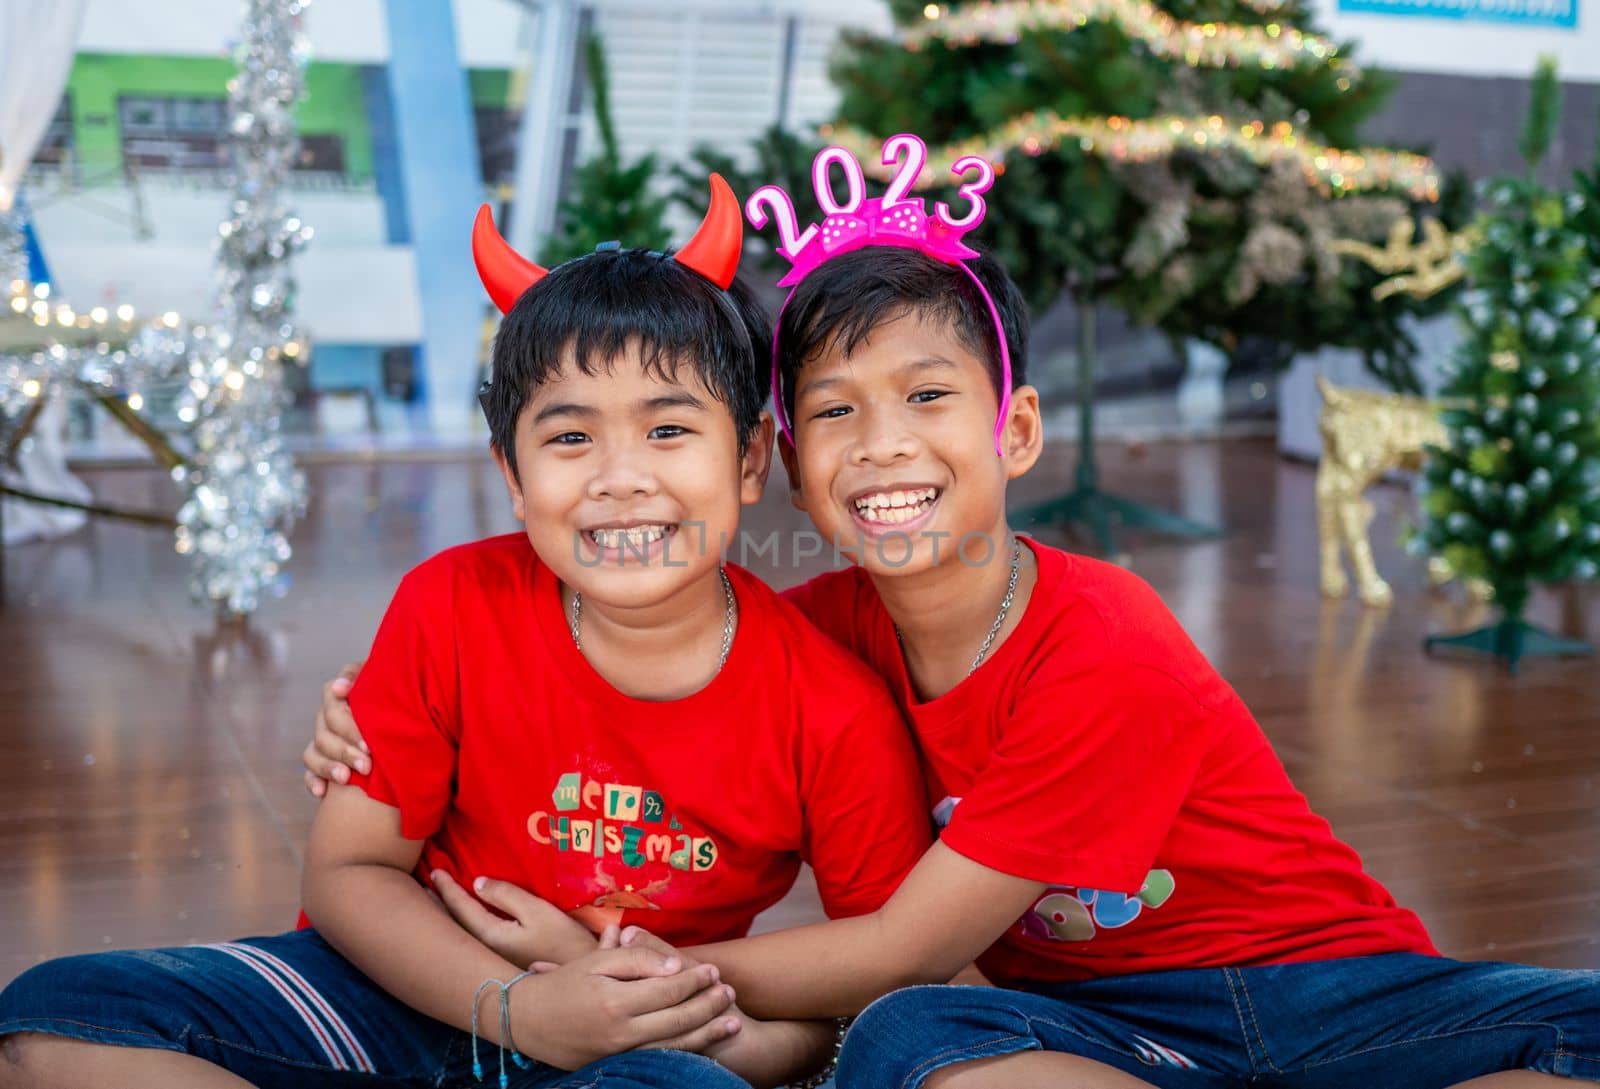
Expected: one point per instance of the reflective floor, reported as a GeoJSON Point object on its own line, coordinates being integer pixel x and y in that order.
{"type": "Point", "coordinates": [149, 784]}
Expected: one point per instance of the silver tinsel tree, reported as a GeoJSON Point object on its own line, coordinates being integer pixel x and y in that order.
{"type": "Point", "coordinates": [244, 490]}
{"type": "Point", "coordinates": [13, 247]}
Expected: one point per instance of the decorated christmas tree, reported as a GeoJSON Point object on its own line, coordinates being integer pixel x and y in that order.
{"type": "Point", "coordinates": [1515, 499]}
{"type": "Point", "coordinates": [1131, 128]}
{"type": "Point", "coordinates": [612, 199]}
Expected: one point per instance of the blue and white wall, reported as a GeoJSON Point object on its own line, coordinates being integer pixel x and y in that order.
{"type": "Point", "coordinates": [389, 267]}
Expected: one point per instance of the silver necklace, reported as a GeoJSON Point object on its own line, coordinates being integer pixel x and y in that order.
{"type": "Point", "coordinates": [727, 623]}
{"type": "Point", "coordinates": [1000, 618]}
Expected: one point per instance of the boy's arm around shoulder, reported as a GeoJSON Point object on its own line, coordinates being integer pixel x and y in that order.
{"type": "Point", "coordinates": [358, 890]}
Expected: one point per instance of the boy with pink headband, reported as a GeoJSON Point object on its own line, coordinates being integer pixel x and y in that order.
{"type": "Point", "coordinates": [1119, 848]}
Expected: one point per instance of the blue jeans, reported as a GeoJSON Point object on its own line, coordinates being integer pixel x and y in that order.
{"type": "Point", "coordinates": [1388, 1022]}
{"type": "Point", "coordinates": [290, 1012]}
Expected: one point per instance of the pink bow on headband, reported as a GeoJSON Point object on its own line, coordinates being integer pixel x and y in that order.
{"type": "Point", "coordinates": [905, 225]}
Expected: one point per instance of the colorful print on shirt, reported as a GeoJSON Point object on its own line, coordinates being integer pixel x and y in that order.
{"type": "Point", "coordinates": [1077, 915]}
{"type": "Point", "coordinates": [634, 840]}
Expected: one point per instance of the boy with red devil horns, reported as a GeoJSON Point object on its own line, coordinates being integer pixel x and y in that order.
{"type": "Point", "coordinates": [595, 709]}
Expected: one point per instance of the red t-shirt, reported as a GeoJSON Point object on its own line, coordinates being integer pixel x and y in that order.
{"type": "Point", "coordinates": [1099, 752]}
{"type": "Point", "coordinates": [513, 759]}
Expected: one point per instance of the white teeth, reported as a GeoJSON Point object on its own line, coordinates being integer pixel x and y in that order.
{"type": "Point", "coordinates": [892, 508]}
{"type": "Point", "coordinates": [633, 537]}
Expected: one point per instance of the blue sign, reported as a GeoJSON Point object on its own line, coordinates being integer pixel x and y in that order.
{"type": "Point", "coordinates": [38, 269]}
{"type": "Point", "coordinates": [1559, 13]}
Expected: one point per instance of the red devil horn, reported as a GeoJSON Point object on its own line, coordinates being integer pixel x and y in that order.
{"type": "Point", "coordinates": [505, 273]}
{"type": "Point", "coordinates": [713, 252]}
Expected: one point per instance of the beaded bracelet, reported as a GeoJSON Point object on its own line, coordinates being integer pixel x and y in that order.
{"type": "Point", "coordinates": [506, 1041]}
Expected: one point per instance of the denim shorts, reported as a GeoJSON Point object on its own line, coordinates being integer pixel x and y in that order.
{"type": "Point", "coordinates": [290, 1012]}
{"type": "Point", "coordinates": [1400, 1021]}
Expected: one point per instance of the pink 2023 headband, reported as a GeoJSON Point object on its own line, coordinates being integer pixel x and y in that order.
{"type": "Point", "coordinates": [891, 220]}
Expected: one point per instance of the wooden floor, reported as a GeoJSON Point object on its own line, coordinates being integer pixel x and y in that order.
{"type": "Point", "coordinates": [149, 784]}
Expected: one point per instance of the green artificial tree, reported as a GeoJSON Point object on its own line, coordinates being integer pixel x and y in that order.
{"type": "Point", "coordinates": [612, 199]}
{"type": "Point", "coordinates": [1515, 499]}
{"type": "Point", "coordinates": [1179, 158]}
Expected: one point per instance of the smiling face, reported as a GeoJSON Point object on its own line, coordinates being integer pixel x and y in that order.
{"type": "Point", "coordinates": [894, 446]}
{"type": "Point", "coordinates": [630, 478]}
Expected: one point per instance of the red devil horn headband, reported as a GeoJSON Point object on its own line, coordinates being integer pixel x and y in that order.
{"type": "Point", "coordinates": [713, 252]}
{"type": "Point", "coordinates": [505, 273]}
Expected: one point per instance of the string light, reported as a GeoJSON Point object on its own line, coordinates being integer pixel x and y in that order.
{"type": "Point", "coordinates": [23, 297]}
{"type": "Point", "coordinates": [1121, 139]}
{"type": "Point", "coordinates": [1208, 45]}
{"type": "Point", "coordinates": [114, 351]}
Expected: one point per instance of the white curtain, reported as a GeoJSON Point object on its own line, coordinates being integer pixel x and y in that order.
{"type": "Point", "coordinates": [36, 47]}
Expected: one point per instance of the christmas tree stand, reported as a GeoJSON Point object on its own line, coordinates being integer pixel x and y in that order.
{"type": "Point", "coordinates": [1512, 639]}
{"type": "Point", "coordinates": [1100, 510]}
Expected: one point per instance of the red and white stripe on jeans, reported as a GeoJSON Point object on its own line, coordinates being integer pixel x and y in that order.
{"type": "Point", "coordinates": [326, 1026]}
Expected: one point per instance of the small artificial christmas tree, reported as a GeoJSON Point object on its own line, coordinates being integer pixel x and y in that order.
{"type": "Point", "coordinates": [611, 199]}
{"type": "Point", "coordinates": [1515, 499]}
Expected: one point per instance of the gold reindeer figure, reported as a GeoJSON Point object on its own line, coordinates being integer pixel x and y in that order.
{"type": "Point", "coordinates": [1364, 435]}
{"type": "Point", "coordinates": [1419, 269]}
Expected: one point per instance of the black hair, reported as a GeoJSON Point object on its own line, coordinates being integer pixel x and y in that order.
{"type": "Point", "coordinates": [598, 304]}
{"type": "Point", "coordinates": [843, 301]}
